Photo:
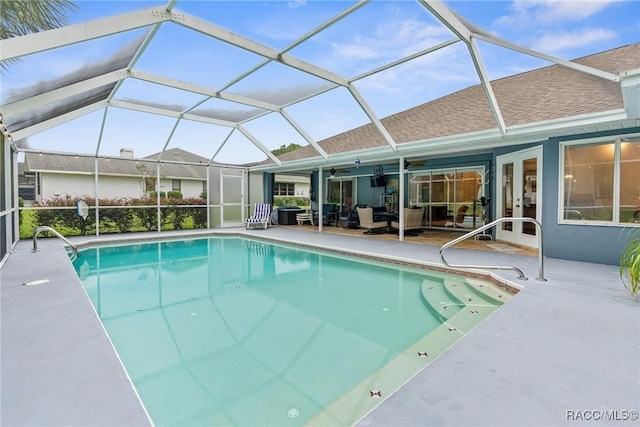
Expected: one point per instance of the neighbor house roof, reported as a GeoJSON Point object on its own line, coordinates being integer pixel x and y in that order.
{"type": "Point", "coordinates": [543, 95]}
{"type": "Point", "coordinates": [58, 163]}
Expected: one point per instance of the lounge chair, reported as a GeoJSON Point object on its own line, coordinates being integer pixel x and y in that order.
{"type": "Point", "coordinates": [366, 221]}
{"type": "Point", "coordinates": [412, 221]}
{"type": "Point", "coordinates": [261, 216]}
{"type": "Point", "coordinates": [301, 218]}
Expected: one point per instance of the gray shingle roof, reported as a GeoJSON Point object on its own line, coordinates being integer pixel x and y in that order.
{"type": "Point", "coordinates": [119, 166]}
{"type": "Point", "coordinates": [549, 93]}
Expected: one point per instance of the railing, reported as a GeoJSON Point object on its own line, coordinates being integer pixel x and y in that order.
{"type": "Point", "coordinates": [472, 233]}
{"type": "Point", "coordinates": [47, 228]}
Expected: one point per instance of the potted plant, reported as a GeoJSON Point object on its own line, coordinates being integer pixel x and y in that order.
{"type": "Point", "coordinates": [630, 264]}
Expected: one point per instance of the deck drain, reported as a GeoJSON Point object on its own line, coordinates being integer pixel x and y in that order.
{"type": "Point", "coordinates": [36, 282]}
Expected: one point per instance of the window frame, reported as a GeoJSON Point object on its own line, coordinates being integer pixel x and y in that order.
{"type": "Point", "coordinates": [454, 171]}
{"type": "Point", "coordinates": [617, 143]}
{"type": "Point", "coordinates": [288, 185]}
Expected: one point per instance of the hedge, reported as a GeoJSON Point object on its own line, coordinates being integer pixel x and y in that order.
{"type": "Point", "coordinates": [119, 215]}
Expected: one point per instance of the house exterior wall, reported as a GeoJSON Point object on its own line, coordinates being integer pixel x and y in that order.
{"type": "Point", "coordinates": [590, 243]}
{"type": "Point", "coordinates": [109, 186]}
{"type": "Point", "coordinates": [189, 188]}
{"type": "Point", "coordinates": [580, 242]}
{"type": "Point", "coordinates": [301, 184]}
{"type": "Point", "coordinates": [302, 189]}
{"type": "Point", "coordinates": [61, 185]}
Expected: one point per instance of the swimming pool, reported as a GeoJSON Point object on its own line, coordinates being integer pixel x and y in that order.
{"type": "Point", "coordinates": [228, 331]}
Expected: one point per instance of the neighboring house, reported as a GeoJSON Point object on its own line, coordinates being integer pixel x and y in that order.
{"type": "Point", "coordinates": [291, 186]}
{"type": "Point", "coordinates": [46, 176]}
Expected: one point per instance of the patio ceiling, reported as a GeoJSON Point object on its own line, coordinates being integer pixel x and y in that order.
{"type": "Point", "coordinates": [143, 79]}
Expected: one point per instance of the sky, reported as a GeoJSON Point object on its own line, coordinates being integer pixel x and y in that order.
{"type": "Point", "coordinates": [376, 34]}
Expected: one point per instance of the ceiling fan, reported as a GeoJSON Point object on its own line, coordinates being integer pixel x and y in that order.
{"type": "Point", "coordinates": [334, 171]}
{"type": "Point", "coordinates": [409, 163]}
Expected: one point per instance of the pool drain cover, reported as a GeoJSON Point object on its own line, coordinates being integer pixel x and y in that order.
{"type": "Point", "coordinates": [36, 282]}
{"type": "Point", "coordinates": [293, 413]}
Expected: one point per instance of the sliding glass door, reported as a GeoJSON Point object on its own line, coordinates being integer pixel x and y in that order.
{"type": "Point", "coordinates": [451, 196]}
{"type": "Point", "coordinates": [341, 192]}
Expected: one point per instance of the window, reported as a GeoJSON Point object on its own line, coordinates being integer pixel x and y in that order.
{"type": "Point", "coordinates": [29, 178]}
{"type": "Point", "coordinates": [451, 196]}
{"type": "Point", "coordinates": [600, 181]}
{"type": "Point", "coordinates": [175, 184]}
{"type": "Point", "coordinates": [284, 189]}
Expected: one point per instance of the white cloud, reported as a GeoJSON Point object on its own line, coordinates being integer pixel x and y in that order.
{"type": "Point", "coordinates": [557, 41]}
{"type": "Point", "coordinates": [387, 42]}
{"type": "Point", "coordinates": [293, 4]}
{"type": "Point", "coordinates": [545, 12]}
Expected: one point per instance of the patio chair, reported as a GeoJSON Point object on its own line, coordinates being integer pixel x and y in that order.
{"type": "Point", "coordinates": [366, 221]}
{"type": "Point", "coordinates": [349, 217]}
{"type": "Point", "coordinates": [261, 216]}
{"type": "Point", "coordinates": [460, 219]}
{"type": "Point", "coordinates": [329, 214]}
{"type": "Point", "coordinates": [412, 221]}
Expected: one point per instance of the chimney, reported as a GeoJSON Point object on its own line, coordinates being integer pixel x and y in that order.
{"type": "Point", "coordinates": [126, 153]}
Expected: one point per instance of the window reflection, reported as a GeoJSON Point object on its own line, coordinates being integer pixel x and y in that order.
{"type": "Point", "coordinates": [452, 196]}
{"type": "Point", "coordinates": [590, 176]}
{"type": "Point", "coordinates": [630, 181]}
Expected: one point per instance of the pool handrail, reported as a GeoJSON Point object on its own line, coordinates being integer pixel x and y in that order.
{"type": "Point", "coordinates": [521, 275]}
{"type": "Point", "coordinates": [47, 228]}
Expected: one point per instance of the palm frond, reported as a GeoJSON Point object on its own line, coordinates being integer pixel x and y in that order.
{"type": "Point", "coordinates": [21, 17]}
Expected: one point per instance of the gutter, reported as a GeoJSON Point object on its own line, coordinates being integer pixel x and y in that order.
{"type": "Point", "coordinates": [483, 140]}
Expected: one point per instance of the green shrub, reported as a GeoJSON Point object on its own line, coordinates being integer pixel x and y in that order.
{"type": "Point", "coordinates": [291, 201]}
{"type": "Point", "coordinates": [116, 215]}
{"type": "Point", "coordinates": [154, 195]}
{"type": "Point", "coordinates": [121, 219]}
{"type": "Point", "coordinates": [20, 205]}
{"type": "Point", "coordinates": [64, 219]}
{"type": "Point", "coordinates": [197, 211]}
{"type": "Point", "coordinates": [174, 194]}
{"type": "Point", "coordinates": [630, 264]}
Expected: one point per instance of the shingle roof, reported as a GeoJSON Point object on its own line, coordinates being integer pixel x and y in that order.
{"type": "Point", "coordinates": [178, 155]}
{"type": "Point", "coordinates": [549, 93]}
{"type": "Point", "coordinates": [119, 166]}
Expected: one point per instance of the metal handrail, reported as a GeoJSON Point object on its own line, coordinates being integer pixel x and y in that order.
{"type": "Point", "coordinates": [521, 275]}
{"type": "Point", "coordinates": [47, 228]}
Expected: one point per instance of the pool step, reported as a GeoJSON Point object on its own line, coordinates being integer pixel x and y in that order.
{"type": "Point", "coordinates": [480, 299]}
{"type": "Point", "coordinates": [438, 300]}
{"type": "Point", "coordinates": [486, 290]}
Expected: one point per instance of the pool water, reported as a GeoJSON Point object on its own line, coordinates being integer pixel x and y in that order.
{"type": "Point", "coordinates": [228, 331]}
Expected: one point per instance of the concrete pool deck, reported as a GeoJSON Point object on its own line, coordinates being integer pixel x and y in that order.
{"type": "Point", "coordinates": [561, 351]}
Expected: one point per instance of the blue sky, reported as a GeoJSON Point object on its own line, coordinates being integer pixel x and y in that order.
{"type": "Point", "coordinates": [376, 34]}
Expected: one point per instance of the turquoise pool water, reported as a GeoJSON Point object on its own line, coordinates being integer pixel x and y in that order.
{"type": "Point", "coordinates": [227, 331]}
